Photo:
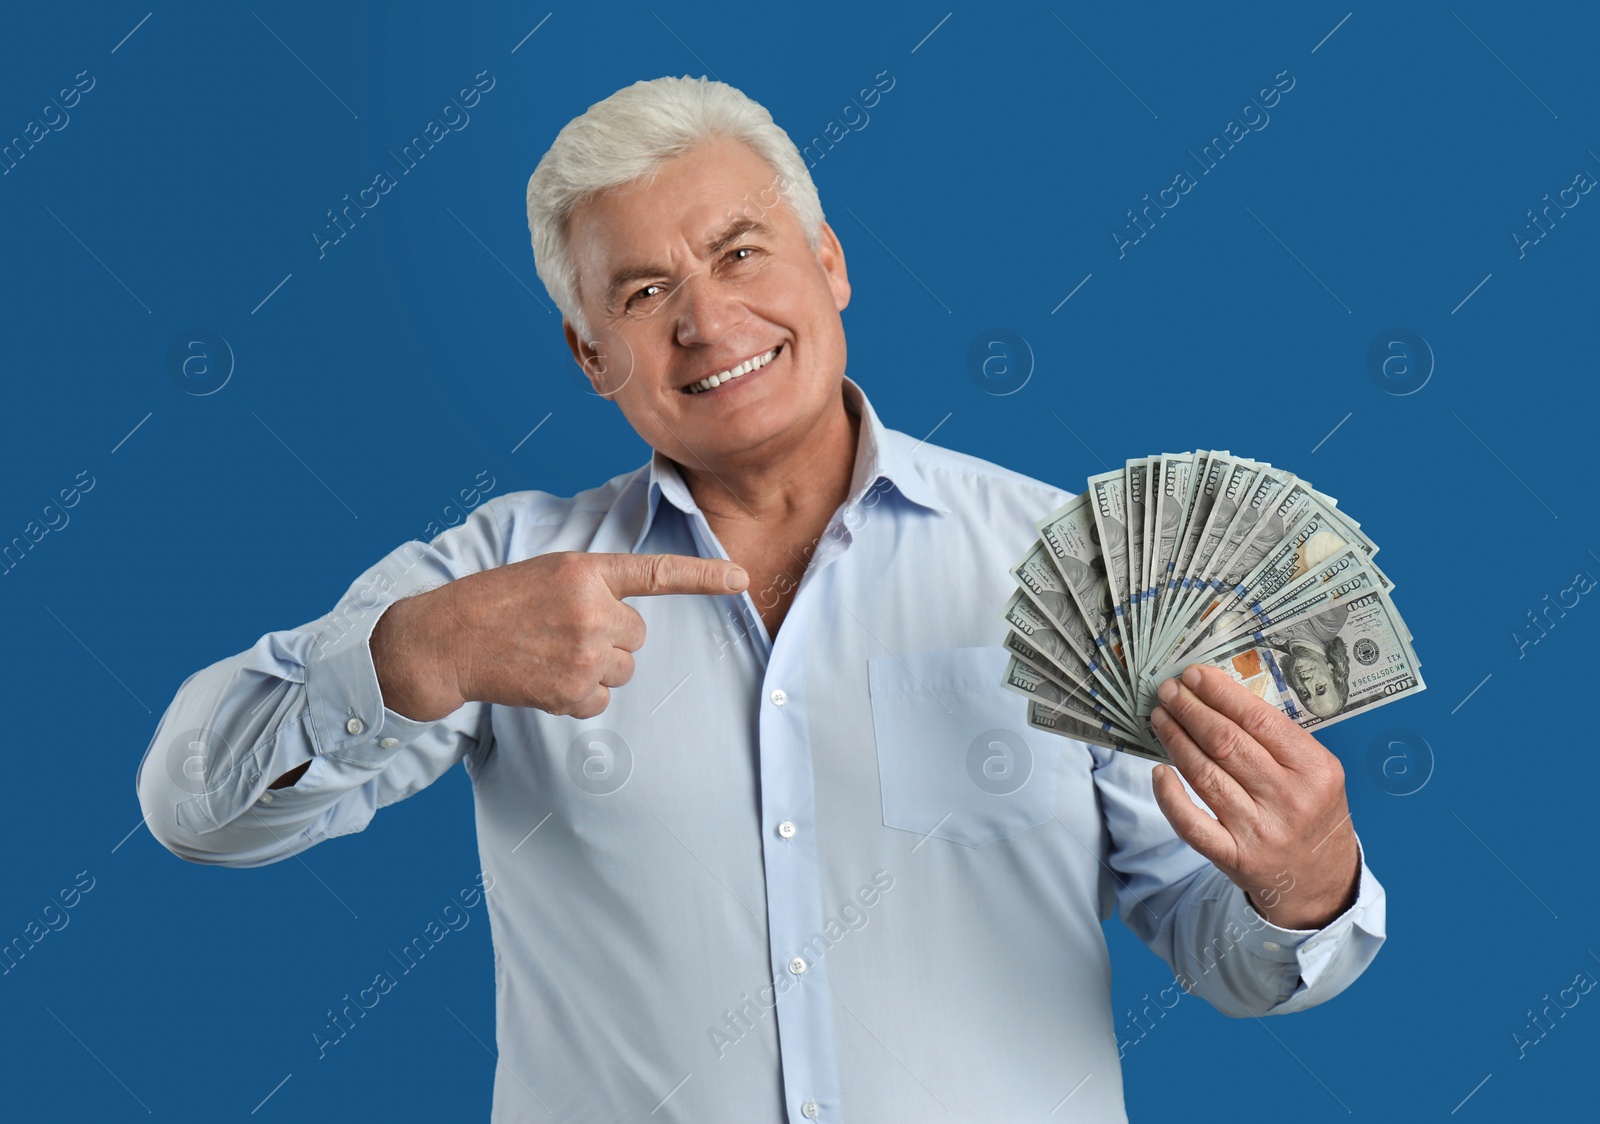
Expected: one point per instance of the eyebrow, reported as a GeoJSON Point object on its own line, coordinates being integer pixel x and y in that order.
{"type": "Point", "coordinates": [735, 230]}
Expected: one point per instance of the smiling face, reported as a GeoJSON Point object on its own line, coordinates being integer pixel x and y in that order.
{"type": "Point", "coordinates": [688, 276]}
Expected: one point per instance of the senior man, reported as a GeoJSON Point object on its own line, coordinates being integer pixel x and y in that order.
{"type": "Point", "coordinates": [730, 718]}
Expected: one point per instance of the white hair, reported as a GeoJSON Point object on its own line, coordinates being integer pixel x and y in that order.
{"type": "Point", "coordinates": [630, 135]}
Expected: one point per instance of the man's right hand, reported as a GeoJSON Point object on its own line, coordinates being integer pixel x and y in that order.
{"type": "Point", "coordinates": [550, 632]}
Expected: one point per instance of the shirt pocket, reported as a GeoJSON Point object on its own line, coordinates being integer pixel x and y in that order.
{"type": "Point", "coordinates": [956, 757]}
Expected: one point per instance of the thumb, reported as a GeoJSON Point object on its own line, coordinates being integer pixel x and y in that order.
{"type": "Point", "coordinates": [648, 575]}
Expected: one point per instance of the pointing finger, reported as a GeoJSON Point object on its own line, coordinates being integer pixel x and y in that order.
{"type": "Point", "coordinates": [638, 575]}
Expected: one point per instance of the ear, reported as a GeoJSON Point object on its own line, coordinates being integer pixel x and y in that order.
{"type": "Point", "coordinates": [831, 257]}
{"type": "Point", "coordinates": [585, 355]}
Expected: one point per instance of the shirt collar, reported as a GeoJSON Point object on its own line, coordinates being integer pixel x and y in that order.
{"type": "Point", "coordinates": [881, 454]}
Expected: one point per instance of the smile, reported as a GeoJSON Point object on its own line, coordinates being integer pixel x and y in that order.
{"type": "Point", "coordinates": [752, 364]}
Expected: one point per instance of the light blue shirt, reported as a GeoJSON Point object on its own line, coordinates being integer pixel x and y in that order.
{"type": "Point", "coordinates": [833, 876]}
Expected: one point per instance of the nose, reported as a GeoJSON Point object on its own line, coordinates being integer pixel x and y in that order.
{"type": "Point", "coordinates": [706, 309]}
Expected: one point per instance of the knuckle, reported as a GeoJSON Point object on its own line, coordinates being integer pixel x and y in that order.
{"type": "Point", "coordinates": [656, 572]}
{"type": "Point", "coordinates": [557, 705]}
{"type": "Point", "coordinates": [595, 703]}
{"type": "Point", "coordinates": [1334, 773]}
{"type": "Point", "coordinates": [1260, 722]}
{"type": "Point", "coordinates": [574, 681]}
{"type": "Point", "coordinates": [1323, 779]}
{"type": "Point", "coordinates": [635, 630]}
{"type": "Point", "coordinates": [1228, 745]}
{"type": "Point", "coordinates": [567, 564]}
{"type": "Point", "coordinates": [1208, 785]}
{"type": "Point", "coordinates": [1202, 777]}
{"type": "Point", "coordinates": [594, 618]}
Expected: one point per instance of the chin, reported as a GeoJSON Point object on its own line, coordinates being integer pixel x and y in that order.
{"type": "Point", "coordinates": [747, 427]}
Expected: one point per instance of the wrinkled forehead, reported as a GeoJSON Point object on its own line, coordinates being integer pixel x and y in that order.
{"type": "Point", "coordinates": [680, 208]}
{"type": "Point", "coordinates": [613, 230]}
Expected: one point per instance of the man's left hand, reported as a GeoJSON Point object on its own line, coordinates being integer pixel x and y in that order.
{"type": "Point", "coordinates": [1278, 795]}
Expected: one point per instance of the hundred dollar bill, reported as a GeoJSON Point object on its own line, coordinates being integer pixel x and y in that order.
{"type": "Point", "coordinates": [1044, 586]}
{"type": "Point", "coordinates": [1172, 495]}
{"type": "Point", "coordinates": [1352, 529]}
{"type": "Point", "coordinates": [1233, 575]}
{"type": "Point", "coordinates": [1271, 487]}
{"type": "Point", "coordinates": [1068, 533]}
{"type": "Point", "coordinates": [1036, 643]}
{"type": "Point", "coordinates": [1170, 490]}
{"type": "Point", "coordinates": [1230, 495]}
{"type": "Point", "coordinates": [1035, 685]}
{"type": "Point", "coordinates": [1315, 536]}
{"type": "Point", "coordinates": [1311, 592]}
{"type": "Point", "coordinates": [1270, 484]}
{"type": "Point", "coordinates": [1064, 643]}
{"type": "Point", "coordinates": [1107, 499]}
{"type": "Point", "coordinates": [1288, 508]}
{"type": "Point", "coordinates": [1137, 474]}
{"type": "Point", "coordinates": [1029, 623]}
{"type": "Point", "coordinates": [1032, 660]}
{"type": "Point", "coordinates": [1043, 716]}
{"type": "Point", "coordinates": [1327, 666]}
{"type": "Point", "coordinates": [1018, 645]}
{"type": "Point", "coordinates": [1222, 507]}
{"type": "Point", "coordinates": [1198, 463]}
{"type": "Point", "coordinates": [1218, 468]}
{"type": "Point", "coordinates": [1071, 651]}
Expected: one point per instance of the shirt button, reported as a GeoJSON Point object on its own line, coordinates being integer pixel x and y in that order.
{"type": "Point", "coordinates": [778, 697]}
{"type": "Point", "coordinates": [786, 829]}
{"type": "Point", "coordinates": [266, 798]}
{"type": "Point", "coordinates": [797, 966]}
{"type": "Point", "coordinates": [809, 1110]}
{"type": "Point", "coordinates": [1271, 946]}
{"type": "Point", "coordinates": [388, 743]}
{"type": "Point", "coordinates": [1310, 945]}
{"type": "Point", "coordinates": [355, 725]}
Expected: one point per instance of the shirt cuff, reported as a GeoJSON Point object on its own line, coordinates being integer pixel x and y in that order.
{"type": "Point", "coordinates": [348, 720]}
{"type": "Point", "coordinates": [1311, 950]}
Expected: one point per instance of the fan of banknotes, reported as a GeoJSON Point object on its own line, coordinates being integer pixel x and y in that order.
{"type": "Point", "coordinates": [1201, 558]}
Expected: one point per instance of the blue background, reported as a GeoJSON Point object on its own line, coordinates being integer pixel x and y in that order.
{"type": "Point", "coordinates": [373, 384]}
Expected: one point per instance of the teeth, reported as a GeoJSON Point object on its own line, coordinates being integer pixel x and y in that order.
{"type": "Point", "coordinates": [728, 376]}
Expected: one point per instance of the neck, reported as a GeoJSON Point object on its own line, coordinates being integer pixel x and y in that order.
{"type": "Point", "coordinates": [808, 480]}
